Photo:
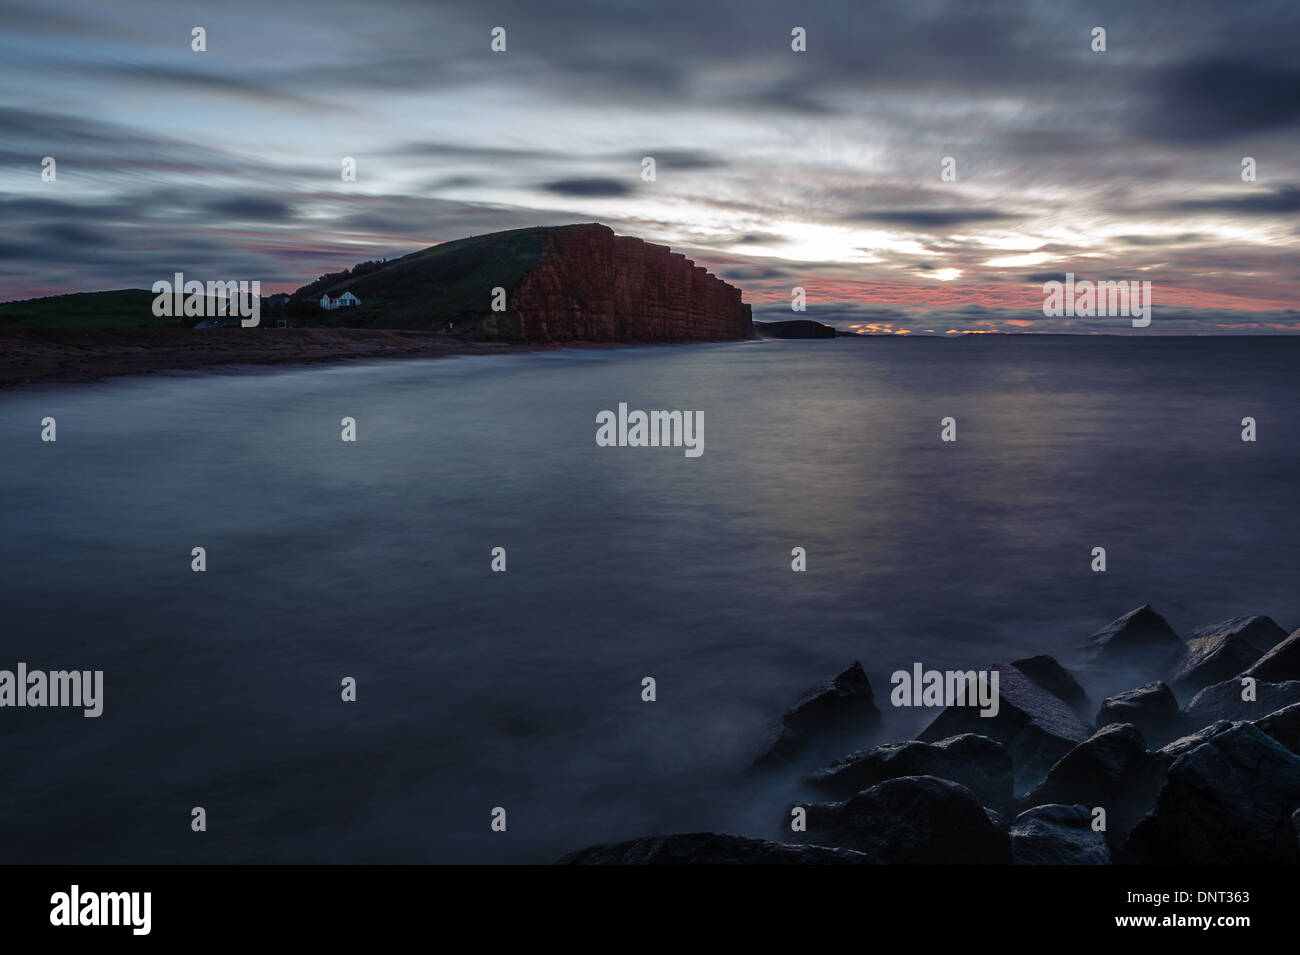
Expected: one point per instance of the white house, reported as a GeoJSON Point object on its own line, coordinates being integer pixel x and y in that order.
{"type": "Point", "coordinates": [343, 301]}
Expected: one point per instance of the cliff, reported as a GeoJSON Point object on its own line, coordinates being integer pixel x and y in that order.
{"type": "Point", "coordinates": [595, 286]}
{"type": "Point", "coordinates": [578, 283]}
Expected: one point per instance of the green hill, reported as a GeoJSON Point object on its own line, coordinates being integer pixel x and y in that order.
{"type": "Point", "coordinates": [445, 283]}
{"type": "Point", "coordinates": [123, 308]}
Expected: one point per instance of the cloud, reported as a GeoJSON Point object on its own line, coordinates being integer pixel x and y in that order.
{"type": "Point", "coordinates": [252, 207]}
{"type": "Point", "coordinates": [1254, 202]}
{"type": "Point", "coordinates": [1214, 99]}
{"type": "Point", "coordinates": [926, 219]}
{"type": "Point", "coordinates": [1116, 164]}
{"type": "Point", "coordinates": [588, 187]}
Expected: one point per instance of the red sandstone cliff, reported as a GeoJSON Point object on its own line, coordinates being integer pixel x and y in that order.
{"type": "Point", "coordinates": [598, 287]}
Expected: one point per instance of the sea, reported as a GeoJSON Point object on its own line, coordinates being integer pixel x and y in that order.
{"type": "Point", "coordinates": [365, 569]}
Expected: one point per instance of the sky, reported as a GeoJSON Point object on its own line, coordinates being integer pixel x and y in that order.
{"type": "Point", "coordinates": [820, 169]}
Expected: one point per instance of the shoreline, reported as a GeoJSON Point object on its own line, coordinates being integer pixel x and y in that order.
{"type": "Point", "coordinates": [63, 355]}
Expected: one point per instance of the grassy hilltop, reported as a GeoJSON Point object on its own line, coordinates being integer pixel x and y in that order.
{"type": "Point", "coordinates": [451, 282]}
{"type": "Point", "coordinates": [123, 308]}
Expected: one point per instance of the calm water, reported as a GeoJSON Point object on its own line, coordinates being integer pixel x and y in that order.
{"type": "Point", "coordinates": [522, 689]}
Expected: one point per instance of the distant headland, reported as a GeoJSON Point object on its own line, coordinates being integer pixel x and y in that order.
{"type": "Point", "coordinates": [537, 287]}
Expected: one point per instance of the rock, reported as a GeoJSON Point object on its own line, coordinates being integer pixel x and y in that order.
{"type": "Point", "coordinates": [1036, 727]}
{"type": "Point", "coordinates": [1219, 652]}
{"type": "Point", "coordinates": [1227, 801]}
{"type": "Point", "coordinates": [1110, 769]}
{"type": "Point", "coordinates": [1280, 664]}
{"type": "Point", "coordinates": [1185, 744]}
{"type": "Point", "coordinates": [1261, 632]}
{"type": "Point", "coordinates": [914, 820]}
{"type": "Point", "coordinates": [1223, 701]}
{"type": "Point", "coordinates": [831, 713]}
{"type": "Point", "coordinates": [1057, 835]}
{"type": "Point", "coordinates": [1284, 726]}
{"type": "Point", "coordinates": [1000, 822]}
{"type": "Point", "coordinates": [797, 328]}
{"type": "Point", "coordinates": [1055, 679]}
{"type": "Point", "coordinates": [709, 848]}
{"type": "Point", "coordinates": [976, 762]}
{"type": "Point", "coordinates": [1141, 639]}
{"type": "Point", "coordinates": [1151, 708]}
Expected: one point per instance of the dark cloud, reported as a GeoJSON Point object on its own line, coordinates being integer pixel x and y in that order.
{"type": "Point", "coordinates": [757, 238]}
{"type": "Point", "coordinates": [252, 207]}
{"type": "Point", "coordinates": [1161, 239]}
{"type": "Point", "coordinates": [925, 219]}
{"type": "Point", "coordinates": [1252, 201]}
{"type": "Point", "coordinates": [588, 187]}
{"type": "Point", "coordinates": [1210, 100]}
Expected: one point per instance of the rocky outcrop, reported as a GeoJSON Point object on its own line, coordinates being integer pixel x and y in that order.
{"type": "Point", "coordinates": [594, 286]}
{"type": "Point", "coordinates": [1055, 679]}
{"type": "Point", "coordinates": [1227, 801]}
{"type": "Point", "coordinates": [1111, 770]}
{"type": "Point", "coordinates": [1057, 835]}
{"type": "Point", "coordinates": [1151, 708]}
{"type": "Point", "coordinates": [831, 714]}
{"type": "Point", "coordinates": [976, 762]}
{"type": "Point", "coordinates": [796, 328]}
{"type": "Point", "coordinates": [1223, 701]}
{"type": "Point", "coordinates": [1228, 792]}
{"type": "Point", "coordinates": [710, 848]}
{"type": "Point", "coordinates": [1035, 726]}
{"type": "Point", "coordinates": [1185, 744]}
{"type": "Point", "coordinates": [1280, 664]}
{"type": "Point", "coordinates": [915, 820]}
{"type": "Point", "coordinates": [1141, 639]}
{"type": "Point", "coordinates": [1284, 726]}
{"type": "Point", "coordinates": [1219, 652]}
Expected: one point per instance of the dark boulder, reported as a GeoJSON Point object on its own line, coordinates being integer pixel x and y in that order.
{"type": "Point", "coordinates": [1035, 726]}
{"type": "Point", "coordinates": [1223, 701]}
{"type": "Point", "coordinates": [1055, 679]}
{"type": "Point", "coordinates": [914, 820]}
{"type": "Point", "coordinates": [980, 764]}
{"type": "Point", "coordinates": [1280, 664]}
{"type": "Point", "coordinates": [1057, 835]}
{"type": "Point", "coordinates": [1219, 652]}
{"type": "Point", "coordinates": [1141, 639]}
{"type": "Point", "coordinates": [1261, 632]}
{"type": "Point", "coordinates": [1000, 822]}
{"type": "Point", "coordinates": [1171, 751]}
{"type": "Point", "coordinates": [709, 848]}
{"type": "Point", "coordinates": [1284, 726]}
{"type": "Point", "coordinates": [1227, 801]}
{"type": "Point", "coordinates": [834, 713]}
{"type": "Point", "coordinates": [1111, 770]}
{"type": "Point", "coordinates": [1151, 708]}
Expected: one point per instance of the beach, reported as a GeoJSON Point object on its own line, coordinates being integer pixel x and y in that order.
{"type": "Point", "coordinates": [66, 354]}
